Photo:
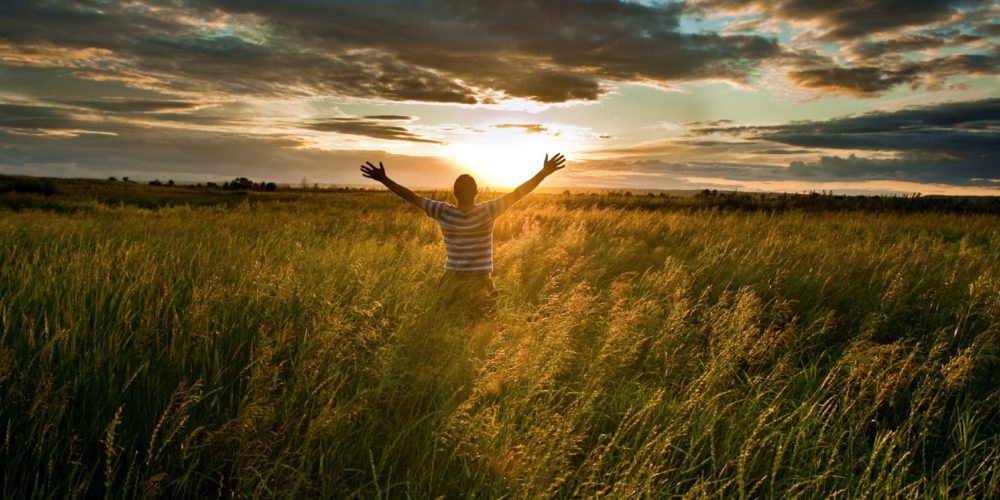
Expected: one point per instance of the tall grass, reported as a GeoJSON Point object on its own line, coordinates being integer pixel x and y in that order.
{"type": "Point", "coordinates": [294, 346]}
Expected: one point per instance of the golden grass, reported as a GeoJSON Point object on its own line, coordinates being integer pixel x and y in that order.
{"type": "Point", "coordinates": [293, 346]}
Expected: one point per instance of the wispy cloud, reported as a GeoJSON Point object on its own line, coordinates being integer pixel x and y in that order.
{"type": "Point", "coordinates": [533, 128]}
{"type": "Point", "coordinates": [368, 126]}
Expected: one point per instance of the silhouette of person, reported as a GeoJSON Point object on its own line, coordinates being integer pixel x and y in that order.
{"type": "Point", "coordinates": [467, 228]}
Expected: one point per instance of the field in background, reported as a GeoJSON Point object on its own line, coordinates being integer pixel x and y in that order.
{"type": "Point", "coordinates": [175, 341]}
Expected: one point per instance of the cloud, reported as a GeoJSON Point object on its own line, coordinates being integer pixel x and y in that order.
{"type": "Point", "coordinates": [863, 80]}
{"type": "Point", "coordinates": [438, 51]}
{"type": "Point", "coordinates": [388, 117]}
{"type": "Point", "coordinates": [989, 28]}
{"type": "Point", "coordinates": [908, 169]}
{"type": "Point", "coordinates": [68, 138]}
{"type": "Point", "coordinates": [44, 56]}
{"type": "Point", "coordinates": [953, 142]}
{"type": "Point", "coordinates": [850, 19]}
{"type": "Point", "coordinates": [709, 123]}
{"type": "Point", "coordinates": [187, 154]}
{"type": "Point", "coordinates": [870, 49]}
{"type": "Point", "coordinates": [122, 105]}
{"type": "Point", "coordinates": [29, 118]}
{"type": "Point", "coordinates": [367, 127]}
{"type": "Point", "coordinates": [827, 169]}
{"type": "Point", "coordinates": [531, 128]}
{"type": "Point", "coordinates": [954, 129]}
{"type": "Point", "coordinates": [784, 151]}
{"type": "Point", "coordinates": [884, 43]}
{"type": "Point", "coordinates": [883, 73]}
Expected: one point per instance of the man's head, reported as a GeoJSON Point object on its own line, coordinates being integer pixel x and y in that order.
{"type": "Point", "coordinates": [466, 189]}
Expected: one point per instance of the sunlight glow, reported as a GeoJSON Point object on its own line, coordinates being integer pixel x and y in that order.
{"type": "Point", "coordinates": [506, 157]}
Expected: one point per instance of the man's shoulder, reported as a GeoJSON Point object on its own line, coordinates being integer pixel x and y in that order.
{"type": "Point", "coordinates": [491, 202]}
{"type": "Point", "coordinates": [496, 206]}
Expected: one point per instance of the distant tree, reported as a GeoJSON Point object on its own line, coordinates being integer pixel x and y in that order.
{"type": "Point", "coordinates": [305, 184]}
{"type": "Point", "coordinates": [241, 183]}
{"type": "Point", "coordinates": [125, 179]}
{"type": "Point", "coordinates": [170, 182]}
{"type": "Point", "coordinates": [113, 178]}
{"type": "Point", "coordinates": [155, 182]}
{"type": "Point", "coordinates": [270, 186]}
{"type": "Point", "coordinates": [211, 185]}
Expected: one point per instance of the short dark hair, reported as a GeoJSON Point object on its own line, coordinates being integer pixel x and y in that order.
{"type": "Point", "coordinates": [466, 188]}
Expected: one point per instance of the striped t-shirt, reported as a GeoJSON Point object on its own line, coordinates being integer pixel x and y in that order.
{"type": "Point", "coordinates": [468, 236]}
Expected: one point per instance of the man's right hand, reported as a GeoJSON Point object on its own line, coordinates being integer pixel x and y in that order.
{"type": "Point", "coordinates": [372, 172]}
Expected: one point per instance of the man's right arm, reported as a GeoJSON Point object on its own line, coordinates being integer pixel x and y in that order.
{"type": "Point", "coordinates": [378, 174]}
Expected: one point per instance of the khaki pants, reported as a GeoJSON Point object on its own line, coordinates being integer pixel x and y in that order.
{"type": "Point", "coordinates": [469, 293]}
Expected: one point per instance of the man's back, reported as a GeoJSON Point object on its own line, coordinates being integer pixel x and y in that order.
{"type": "Point", "coordinates": [467, 231]}
{"type": "Point", "coordinates": [468, 235]}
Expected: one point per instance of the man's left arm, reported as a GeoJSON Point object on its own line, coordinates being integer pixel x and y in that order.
{"type": "Point", "coordinates": [549, 166]}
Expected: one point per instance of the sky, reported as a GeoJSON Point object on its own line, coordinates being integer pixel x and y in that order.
{"type": "Point", "coordinates": [852, 96]}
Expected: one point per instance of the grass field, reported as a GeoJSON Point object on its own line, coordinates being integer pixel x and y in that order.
{"type": "Point", "coordinates": [290, 344]}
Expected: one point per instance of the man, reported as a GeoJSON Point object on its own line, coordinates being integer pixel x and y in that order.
{"type": "Point", "coordinates": [468, 232]}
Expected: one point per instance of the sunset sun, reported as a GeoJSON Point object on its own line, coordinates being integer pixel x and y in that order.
{"type": "Point", "coordinates": [506, 156]}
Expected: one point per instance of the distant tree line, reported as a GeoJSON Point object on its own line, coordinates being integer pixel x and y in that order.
{"type": "Point", "coordinates": [27, 185]}
{"type": "Point", "coordinates": [772, 202]}
{"type": "Point", "coordinates": [237, 184]}
{"type": "Point", "coordinates": [244, 184]}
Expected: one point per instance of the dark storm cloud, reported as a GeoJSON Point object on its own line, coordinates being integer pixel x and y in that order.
{"type": "Point", "coordinates": [869, 49]}
{"type": "Point", "coordinates": [562, 44]}
{"type": "Point", "coordinates": [882, 36]}
{"type": "Point", "coordinates": [825, 169]}
{"type": "Point", "coordinates": [159, 152]}
{"type": "Point", "coordinates": [542, 85]}
{"type": "Point", "coordinates": [284, 67]}
{"type": "Point", "coordinates": [99, 115]}
{"type": "Point", "coordinates": [966, 172]}
{"type": "Point", "coordinates": [366, 127]}
{"type": "Point", "coordinates": [950, 142]}
{"type": "Point", "coordinates": [953, 129]}
{"type": "Point", "coordinates": [708, 123]}
{"type": "Point", "coordinates": [988, 28]}
{"type": "Point", "coordinates": [876, 75]}
{"type": "Point", "coordinates": [27, 117]}
{"type": "Point", "coordinates": [784, 151]}
{"type": "Point", "coordinates": [859, 80]}
{"type": "Point", "coordinates": [440, 51]}
{"type": "Point", "coordinates": [99, 138]}
{"type": "Point", "coordinates": [948, 115]}
{"type": "Point", "coordinates": [850, 19]}
{"type": "Point", "coordinates": [166, 49]}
